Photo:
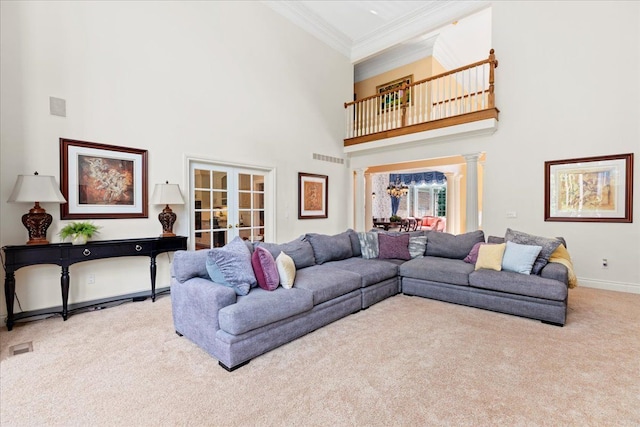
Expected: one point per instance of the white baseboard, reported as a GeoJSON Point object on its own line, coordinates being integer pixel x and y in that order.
{"type": "Point", "coordinates": [633, 288]}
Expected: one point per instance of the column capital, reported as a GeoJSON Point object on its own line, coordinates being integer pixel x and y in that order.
{"type": "Point", "coordinates": [472, 157]}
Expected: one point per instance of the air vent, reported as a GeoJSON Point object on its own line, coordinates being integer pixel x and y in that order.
{"type": "Point", "coordinates": [21, 348]}
{"type": "Point", "coordinates": [329, 159]}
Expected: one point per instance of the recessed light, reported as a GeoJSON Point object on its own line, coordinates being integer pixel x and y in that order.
{"type": "Point", "coordinates": [373, 12]}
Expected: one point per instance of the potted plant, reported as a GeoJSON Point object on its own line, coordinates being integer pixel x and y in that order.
{"type": "Point", "coordinates": [395, 218]}
{"type": "Point", "coordinates": [79, 232]}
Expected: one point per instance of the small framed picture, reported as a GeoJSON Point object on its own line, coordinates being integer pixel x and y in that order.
{"type": "Point", "coordinates": [589, 189]}
{"type": "Point", "coordinates": [313, 195]}
{"type": "Point", "coordinates": [102, 181]}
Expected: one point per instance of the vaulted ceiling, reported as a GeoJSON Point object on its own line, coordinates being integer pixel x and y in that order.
{"type": "Point", "coordinates": [379, 34]}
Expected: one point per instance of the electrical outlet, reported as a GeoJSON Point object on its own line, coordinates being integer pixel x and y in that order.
{"type": "Point", "coordinates": [91, 279]}
{"type": "Point", "coordinates": [512, 214]}
{"type": "Point", "coordinates": [605, 263]}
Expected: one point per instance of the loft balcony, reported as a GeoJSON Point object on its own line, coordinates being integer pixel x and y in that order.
{"type": "Point", "coordinates": [450, 100]}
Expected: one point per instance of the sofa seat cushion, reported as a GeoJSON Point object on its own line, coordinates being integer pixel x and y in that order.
{"type": "Point", "coordinates": [436, 269]}
{"type": "Point", "coordinates": [372, 271]}
{"type": "Point", "coordinates": [261, 307]}
{"type": "Point", "coordinates": [520, 284]}
{"type": "Point", "coordinates": [326, 283]}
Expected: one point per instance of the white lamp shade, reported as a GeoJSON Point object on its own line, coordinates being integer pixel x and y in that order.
{"type": "Point", "coordinates": [36, 188]}
{"type": "Point", "coordinates": [167, 194]}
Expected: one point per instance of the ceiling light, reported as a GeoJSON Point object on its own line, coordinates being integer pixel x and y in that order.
{"type": "Point", "coordinates": [373, 12]}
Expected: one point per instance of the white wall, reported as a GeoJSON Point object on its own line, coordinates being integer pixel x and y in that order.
{"type": "Point", "coordinates": [567, 86]}
{"type": "Point", "coordinates": [228, 81]}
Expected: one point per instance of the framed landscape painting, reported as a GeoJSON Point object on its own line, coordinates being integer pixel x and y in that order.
{"type": "Point", "coordinates": [589, 189]}
{"type": "Point", "coordinates": [313, 195]}
{"type": "Point", "coordinates": [102, 181]}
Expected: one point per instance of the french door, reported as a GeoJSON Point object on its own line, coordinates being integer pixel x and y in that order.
{"type": "Point", "coordinates": [226, 202]}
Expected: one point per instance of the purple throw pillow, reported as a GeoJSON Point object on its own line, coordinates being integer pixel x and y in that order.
{"type": "Point", "coordinates": [472, 258]}
{"type": "Point", "coordinates": [393, 247]}
{"type": "Point", "coordinates": [265, 269]}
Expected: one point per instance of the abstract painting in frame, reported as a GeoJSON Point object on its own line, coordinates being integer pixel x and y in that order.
{"type": "Point", "coordinates": [313, 195]}
{"type": "Point", "coordinates": [102, 181]}
{"type": "Point", "coordinates": [589, 189]}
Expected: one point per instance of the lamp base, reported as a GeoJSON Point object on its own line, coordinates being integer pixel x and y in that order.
{"type": "Point", "coordinates": [167, 218]}
{"type": "Point", "coordinates": [37, 221]}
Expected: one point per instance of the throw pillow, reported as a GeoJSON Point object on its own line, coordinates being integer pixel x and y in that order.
{"type": "Point", "coordinates": [286, 270]}
{"type": "Point", "coordinates": [368, 244]}
{"type": "Point", "coordinates": [490, 257]}
{"type": "Point", "coordinates": [417, 246]}
{"type": "Point", "coordinates": [519, 258]}
{"type": "Point", "coordinates": [447, 245]}
{"type": "Point", "coordinates": [473, 253]}
{"type": "Point", "coordinates": [299, 249]}
{"type": "Point", "coordinates": [330, 248]}
{"type": "Point", "coordinates": [548, 246]}
{"type": "Point", "coordinates": [265, 269]}
{"type": "Point", "coordinates": [394, 247]}
{"type": "Point", "coordinates": [230, 266]}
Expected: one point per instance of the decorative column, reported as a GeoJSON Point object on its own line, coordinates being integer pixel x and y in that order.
{"type": "Point", "coordinates": [458, 205]}
{"type": "Point", "coordinates": [472, 191]}
{"type": "Point", "coordinates": [359, 199]}
{"type": "Point", "coordinates": [451, 195]}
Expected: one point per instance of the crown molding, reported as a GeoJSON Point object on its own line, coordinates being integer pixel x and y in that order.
{"type": "Point", "coordinates": [302, 16]}
{"type": "Point", "coordinates": [424, 20]}
{"type": "Point", "coordinates": [398, 57]}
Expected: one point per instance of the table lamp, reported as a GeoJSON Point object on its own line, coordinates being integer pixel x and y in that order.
{"type": "Point", "coordinates": [36, 188]}
{"type": "Point", "coordinates": [167, 194]}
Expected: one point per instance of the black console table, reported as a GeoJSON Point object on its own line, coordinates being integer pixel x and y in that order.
{"type": "Point", "coordinates": [66, 254]}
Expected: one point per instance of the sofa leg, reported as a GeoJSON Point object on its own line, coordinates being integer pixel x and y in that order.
{"type": "Point", "coordinates": [553, 323]}
{"type": "Point", "coordinates": [228, 369]}
{"type": "Point", "coordinates": [179, 334]}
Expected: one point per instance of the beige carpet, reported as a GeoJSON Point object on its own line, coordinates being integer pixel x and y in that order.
{"type": "Point", "coordinates": [405, 361]}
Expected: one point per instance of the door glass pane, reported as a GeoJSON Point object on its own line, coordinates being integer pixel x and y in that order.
{"type": "Point", "coordinates": [219, 180]}
{"type": "Point", "coordinates": [245, 218]}
{"type": "Point", "coordinates": [258, 201]}
{"type": "Point", "coordinates": [201, 178]}
{"type": "Point", "coordinates": [203, 199]}
{"type": "Point", "coordinates": [219, 200]}
{"type": "Point", "coordinates": [244, 200]}
{"type": "Point", "coordinates": [244, 182]}
{"type": "Point", "coordinates": [203, 240]}
{"type": "Point", "coordinates": [219, 238]}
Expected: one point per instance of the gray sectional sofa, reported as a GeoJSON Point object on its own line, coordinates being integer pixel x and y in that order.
{"type": "Point", "coordinates": [333, 279]}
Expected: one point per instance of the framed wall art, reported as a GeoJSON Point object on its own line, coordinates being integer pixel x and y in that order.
{"type": "Point", "coordinates": [395, 99]}
{"type": "Point", "coordinates": [589, 189]}
{"type": "Point", "coordinates": [313, 195]}
{"type": "Point", "coordinates": [102, 181]}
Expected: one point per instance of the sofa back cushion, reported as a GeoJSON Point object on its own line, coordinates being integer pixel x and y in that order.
{"type": "Point", "coordinates": [452, 246]}
{"type": "Point", "coordinates": [330, 248]}
{"type": "Point", "coordinates": [299, 250]}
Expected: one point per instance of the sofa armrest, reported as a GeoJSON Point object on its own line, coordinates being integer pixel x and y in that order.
{"type": "Point", "coordinates": [556, 271]}
{"type": "Point", "coordinates": [189, 264]}
{"type": "Point", "coordinates": [196, 303]}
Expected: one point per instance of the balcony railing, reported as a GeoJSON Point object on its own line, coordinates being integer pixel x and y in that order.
{"type": "Point", "coordinates": [463, 95]}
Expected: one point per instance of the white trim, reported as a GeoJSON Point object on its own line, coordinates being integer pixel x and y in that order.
{"type": "Point", "coordinates": [632, 288]}
{"type": "Point", "coordinates": [480, 127]}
